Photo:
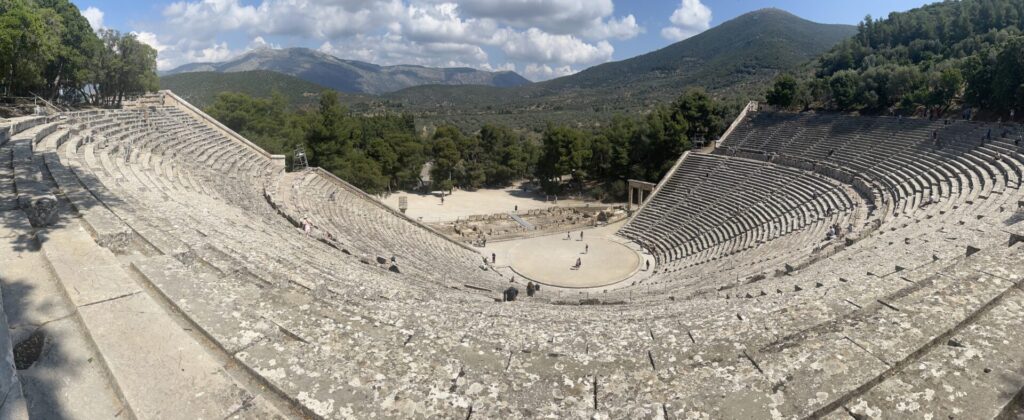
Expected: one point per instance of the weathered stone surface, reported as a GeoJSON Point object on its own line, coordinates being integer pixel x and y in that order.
{"type": "Point", "coordinates": [756, 305]}
{"type": "Point", "coordinates": [42, 211]}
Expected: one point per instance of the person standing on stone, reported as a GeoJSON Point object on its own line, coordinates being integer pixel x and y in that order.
{"type": "Point", "coordinates": [494, 257]}
{"type": "Point", "coordinates": [586, 249]}
{"type": "Point", "coordinates": [579, 263]}
{"type": "Point", "coordinates": [648, 268]}
{"type": "Point", "coordinates": [529, 289]}
{"type": "Point", "coordinates": [581, 235]}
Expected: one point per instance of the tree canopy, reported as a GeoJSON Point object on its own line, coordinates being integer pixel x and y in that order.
{"type": "Point", "coordinates": [47, 48]}
{"type": "Point", "coordinates": [938, 56]}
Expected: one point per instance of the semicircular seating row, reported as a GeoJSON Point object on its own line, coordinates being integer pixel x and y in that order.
{"type": "Point", "coordinates": [900, 180]}
{"type": "Point", "coordinates": [346, 339]}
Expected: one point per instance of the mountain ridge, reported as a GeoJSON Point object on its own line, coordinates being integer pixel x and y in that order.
{"type": "Point", "coordinates": [735, 60]}
{"type": "Point", "coordinates": [351, 76]}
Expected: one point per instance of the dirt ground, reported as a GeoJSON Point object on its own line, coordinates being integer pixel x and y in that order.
{"type": "Point", "coordinates": [428, 208]}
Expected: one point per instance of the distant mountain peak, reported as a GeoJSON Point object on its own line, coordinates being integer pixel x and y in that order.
{"type": "Point", "coordinates": [350, 75]}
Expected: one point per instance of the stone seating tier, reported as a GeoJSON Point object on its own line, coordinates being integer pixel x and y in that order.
{"type": "Point", "coordinates": [723, 330]}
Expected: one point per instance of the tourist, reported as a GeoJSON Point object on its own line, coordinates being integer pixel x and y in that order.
{"type": "Point", "coordinates": [493, 258]}
{"type": "Point", "coordinates": [510, 294]}
{"type": "Point", "coordinates": [586, 249]}
{"type": "Point", "coordinates": [648, 267]}
{"type": "Point", "coordinates": [581, 235]}
{"type": "Point", "coordinates": [579, 263]}
{"type": "Point", "coordinates": [442, 199]}
{"type": "Point", "coordinates": [529, 289]}
{"type": "Point", "coordinates": [567, 235]}
{"type": "Point", "coordinates": [517, 208]}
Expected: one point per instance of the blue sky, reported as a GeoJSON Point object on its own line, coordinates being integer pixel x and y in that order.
{"type": "Point", "coordinates": [540, 39]}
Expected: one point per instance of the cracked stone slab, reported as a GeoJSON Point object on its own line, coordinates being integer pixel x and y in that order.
{"type": "Point", "coordinates": [218, 305]}
{"type": "Point", "coordinates": [83, 267]}
{"type": "Point", "coordinates": [975, 374]}
{"type": "Point", "coordinates": [816, 372]}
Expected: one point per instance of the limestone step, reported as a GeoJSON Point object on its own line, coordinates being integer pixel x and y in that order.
{"type": "Point", "coordinates": [834, 362]}
{"type": "Point", "coordinates": [975, 373]}
{"type": "Point", "coordinates": [66, 381]}
{"type": "Point", "coordinates": [160, 369]}
{"type": "Point", "coordinates": [14, 405]}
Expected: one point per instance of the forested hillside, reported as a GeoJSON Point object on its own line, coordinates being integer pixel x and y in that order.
{"type": "Point", "coordinates": [47, 48]}
{"type": "Point", "coordinates": [202, 88]}
{"type": "Point", "coordinates": [937, 57]}
{"type": "Point", "coordinates": [352, 76]}
{"type": "Point", "coordinates": [735, 61]}
{"type": "Point", "coordinates": [383, 153]}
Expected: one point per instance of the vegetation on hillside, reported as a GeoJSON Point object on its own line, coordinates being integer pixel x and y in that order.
{"type": "Point", "coordinates": [383, 153]}
{"type": "Point", "coordinates": [734, 62]}
{"type": "Point", "coordinates": [47, 48]}
{"type": "Point", "coordinates": [935, 57]}
{"type": "Point", "coordinates": [642, 148]}
{"type": "Point", "coordinates": [201, 88]}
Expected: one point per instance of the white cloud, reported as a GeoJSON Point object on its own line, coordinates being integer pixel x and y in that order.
{"type": "Point", "coordinates": [545, 72]}
{"type": "Point", "coordinates": [551, 37]}
{"type": "Point", "coordinates": [392, 49]}
{"type": "Point", "coordinates": [691, 18]}
{"type": "Point", "coordinates": [170, 56]}
{"type": "Point", "coordinates": [624, 28]}
{"type": "Point", "coordinates": [94, 16]}
{"type": "Point", "coordinates": [151, 39]}
{"type": "Point", "coordinates": [212, 54]}
{"type": "Point", "coordinates": [538, 46]}
{"type": "Point", "coordinates": [259, 43]}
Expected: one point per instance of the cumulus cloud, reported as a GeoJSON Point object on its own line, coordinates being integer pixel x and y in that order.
{"type": "Point", "coordinates": [259, 43]}
{"type": "Point", "coordinates": [550, 37]}
{"type": "Point", "coordinates": [94, 16]}
{"type": "Point", "coordinates": [171, 55]}
{"type": "Point", "coordinates": [691, 18]}
{"type": "Point", "coordinates": [538, 46]}
{"type": "Point", "coordinates": [545, 72]}
{"type": "Point", "coordinates": [591, 19]}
